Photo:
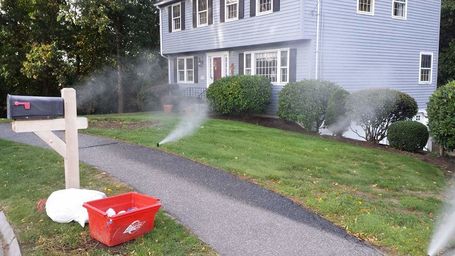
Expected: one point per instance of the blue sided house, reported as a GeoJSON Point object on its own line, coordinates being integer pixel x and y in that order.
{"type": "Point", "coordinates": [357, 44]}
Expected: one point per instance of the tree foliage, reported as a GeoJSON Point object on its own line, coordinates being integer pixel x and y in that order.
{"type": "Point", "coordinates": [306, 102]}
{"type": "Point", "coordinates": [441, 117]}
{"type": "Point", "coordinates": [374, 110]}
{"type": "Point", "coordinates": [447, 43]}
{"type": "Point", "coordinates": [240, 95]}
{"type": "Point", "coordinates": [49, 44]}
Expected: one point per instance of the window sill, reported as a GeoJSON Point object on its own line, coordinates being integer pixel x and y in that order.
{"type": "Point", "coordinates": [202, 25]}
{"type": "Point", "coordinates": [176, 31]}
{"type": "Point", "coordinates": [230, 20]}
{"type": "Point", "coordinates": [365, 13]}
{"type": "Point", "coordinates": [399, 18]}
{"type": "Point", "coordinates": [264, 13]}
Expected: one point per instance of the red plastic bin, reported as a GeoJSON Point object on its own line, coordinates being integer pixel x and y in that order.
{"type": "Point", "coordinates": [120, 228]}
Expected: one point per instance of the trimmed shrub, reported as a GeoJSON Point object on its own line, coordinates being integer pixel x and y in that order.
{"type": "Point", "coordinates": [236, 95]}
{"type": "Point", "coordinates": [305, 102]}
{"type": "Point", "coordinates": [335, 118]}
{"type": "Point", "coordinates": [376, 109]}
{"type": "Point", "coordinates": [441, 115]}
{"type": "Point", "coordinates": [408, 135]}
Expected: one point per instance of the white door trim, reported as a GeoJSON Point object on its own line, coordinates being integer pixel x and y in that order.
{"type": "Point", "coordinates": [224, 65]}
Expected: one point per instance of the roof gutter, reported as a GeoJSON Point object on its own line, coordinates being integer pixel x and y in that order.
{"type": "Point", "coordinates": [165, 2]}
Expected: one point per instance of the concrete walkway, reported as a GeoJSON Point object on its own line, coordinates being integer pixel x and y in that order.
{"type": "Point", "coordinates": [233, 216]}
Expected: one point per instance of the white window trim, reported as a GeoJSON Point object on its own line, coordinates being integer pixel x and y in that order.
{"type": "Point", "coordinates": [278, 74]}
{"type": "Point", "coordinates": [259, 13]}
{"type": "Point", "coordinates": [405, 11]}
{"type": "Point", "coordinates": [373, 3]}
{"type": "Point", "coordinates": [198, 19]}
{"type": "Point", "coordinates": [226, 12]}
{"type": "Point", "coordinates": [431, 68]}
{"type": "Point", "coordinates": [185, 70]}
{"type": "Point", "coordinates": [173, 18]}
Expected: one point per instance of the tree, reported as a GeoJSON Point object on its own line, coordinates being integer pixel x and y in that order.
{"type": "Point", "coordinates": [447, 43]}
{"type": "Point", "coordinates": [123, 28]}
{"type": "Point", "coordinates": [45, 44]}
{"type": "Point", "coordinates": [25, 27]}
{"type": "Point", "coordinates": [48, 66]}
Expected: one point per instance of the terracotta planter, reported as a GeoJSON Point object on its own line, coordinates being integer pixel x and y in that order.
{"type": "Point", "coordinates": [167, 108]}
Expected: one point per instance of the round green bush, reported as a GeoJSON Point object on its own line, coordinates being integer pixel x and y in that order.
{"type": "Point", "coordinates": [408, 135]}
{"type": "Point", "coordinates": [236, 95]}
{"type": "Point", "coordinates": [305, 102]}
{"type": "Point", "coordinates": [376, 109]}
{"type": "Point", "coordinates": [441, 116]}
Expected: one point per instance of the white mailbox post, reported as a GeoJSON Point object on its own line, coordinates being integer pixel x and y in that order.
{"type": "Point", "coordinates": [68, 149]}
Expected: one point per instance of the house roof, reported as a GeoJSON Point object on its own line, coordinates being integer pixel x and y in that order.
{"type": "Point", "coordinates": [161, 3]}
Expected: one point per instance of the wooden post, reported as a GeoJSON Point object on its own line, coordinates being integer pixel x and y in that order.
{"type": "Point", "coordinates": [71, 139]}
{"type": "Point", "coordinates": [68, 149]}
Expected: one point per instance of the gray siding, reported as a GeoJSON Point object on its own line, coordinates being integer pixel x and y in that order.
{"type": "Point", "coordinates": [284, 25]}
{"type": "Point", "coordinates": [305, 67]}
{"type": "Point", "coordinates": [356, 51]}
{"type": "Point", "coordinates": [361, 51]}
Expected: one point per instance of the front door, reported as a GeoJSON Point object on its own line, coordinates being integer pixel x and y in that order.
{"type": "Point", "coordinates": [217, 61]}
{"type": "Point", "coordinates": [216, 66]}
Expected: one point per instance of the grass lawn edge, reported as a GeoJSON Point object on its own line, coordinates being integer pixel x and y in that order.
{"type": "Point", "coordinates": [34, 229]}
{"type": "Point", "coordinates": [257, 183]}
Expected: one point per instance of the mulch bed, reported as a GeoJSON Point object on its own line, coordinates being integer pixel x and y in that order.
{"type": "Point", "coordinates": [445, 163]}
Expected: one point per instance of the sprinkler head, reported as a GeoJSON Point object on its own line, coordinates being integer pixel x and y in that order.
{"type": "Point", "coordinates": [158, 144]}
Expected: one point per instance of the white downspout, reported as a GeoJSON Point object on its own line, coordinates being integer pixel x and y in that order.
{"type": "Point", "coordinates": [161, 49]}
{"type": "Point", "coordinates": [318, 28]}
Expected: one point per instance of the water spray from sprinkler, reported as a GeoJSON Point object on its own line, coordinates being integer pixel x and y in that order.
{"type": "Point", "coordinates": [194, 116]}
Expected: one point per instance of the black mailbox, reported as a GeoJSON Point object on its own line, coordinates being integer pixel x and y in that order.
{"type": "Point", "coordinates": [32, 107]}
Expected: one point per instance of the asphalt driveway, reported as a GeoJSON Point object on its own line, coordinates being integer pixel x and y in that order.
{"type": "Point", "coordinates": [233, 216]}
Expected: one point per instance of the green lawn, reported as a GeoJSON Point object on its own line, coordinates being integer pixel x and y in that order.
{"type": "Point", "coordinates": [28, 174]}
{"type": "Point", "coordinates": [386, 198]}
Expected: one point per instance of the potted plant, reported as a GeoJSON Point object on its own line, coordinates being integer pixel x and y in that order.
{"type": "Point", "coordinates": [168, 102]}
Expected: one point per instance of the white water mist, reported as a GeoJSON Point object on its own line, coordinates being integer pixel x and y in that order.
{"type": "Point", "coordinates": [194, 116]}
{"type": "Point", "coordinates": [445, 228]}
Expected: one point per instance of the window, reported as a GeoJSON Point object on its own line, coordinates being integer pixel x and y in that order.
{"type": "Point", "coordinates": [232, 10]}
{"type": "Point", "coordinates": [284, 66]}
{"type": "Point", "coordinates": [426, 68]}
{"type": "Point", "coordinates": [185, 70]}
{"type": "Point", "coordinates": [202, 12]}
{"type": "Point", "coordinates": [264, 6]}
{"type": "Point", "coordinates": [266, 65]}
{"type": "Point", "coordinates": [248, 64]}
{"type": "Point", "coordinates": [365, 6]}
{"type": "Point", "coordinates": [399, 9]}
{"type": "Point", "coordinates": [273, 64]}
{"type": "Point", "coordinates": [176, 17]}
